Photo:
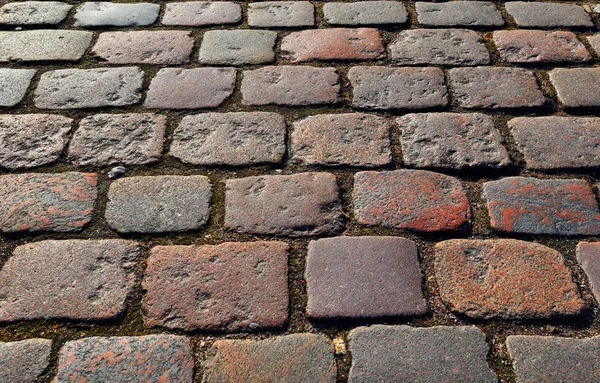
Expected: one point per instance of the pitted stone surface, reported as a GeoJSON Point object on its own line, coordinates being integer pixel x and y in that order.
{"type": "Point", "coordinates": [588, 257]}
{"type": "Point", "coordinates": [577, 87]}
{"type": "Point", "coordinates": [281, 14]}
{"type": "Point", "coordinates": [102, 14]}
{"type": "Point", "coordinates": [199, 13]}
{"type": "Point", "coordinates": [237, 47]}
{"type": "Point", "coordinates": [232, 286]}
{"type": "Point", "coordinates": [68, 279]}
{"type": "Point", "coordinates": [15, 83]}
{"type": "Point", "coordinates": [365, 13]}
{"type": "Point", "coordinates": [459, 14]}
{"type": "Point", "coordinates": [524, 46]}
{"type": "Point", "coordinates": [242, 138]}
{"type": "Point", "coordinates": [44, 45]}
{"type": "Point", "coordinates": [541, 14]}
{"type": "Point", "coordinates": [34, 12]}
{"type": "Point", "coordinates": [24, 361]}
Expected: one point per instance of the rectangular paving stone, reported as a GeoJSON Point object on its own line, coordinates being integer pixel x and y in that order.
{"type": "Point", "coordinates": [24, 361]}
{"type": "Point", "coordinates": [89, 88]}
{"type": "Point", "coordinates": [439, 47]}
{"type": "Point", "coordinates": [295, 205]}
{"type": "Point", "coordinates": [527, 46]}
{"type": "Point", "coordinates": [124, 139]}
{"type": "Point", "coordinates": [365, 13]}
{"type": "Point", "coordinates": [237, 47]}
{"type": "Point", "coordinates": [557, 142]}
{"type": "Point", "coordinates": [459, 14]}
{"type": "Point", "coordinates": [68, 279]}
{"type": "Point", "coordinates": [34, 12]}
{"type": "Point", "coordinates": [290, 85]}
{"type": "Point", "coordinates": [236, 139]}
{"type": "Point", "coordinates": [156, 204]}
{"type": "Point", "coordinates": [291, 358]}
{"type": "Point", "coordinates": [145, 47]}
{"type": "Point", "coordinates": [234, 286]}
{"type": "Point", "coordinates": [594, 41]}
{"type": "Point", "coordinates": [281, 14]}
{"type": "Point", "coordinates": [105, 14]}
{"type": "Point", "coordinates": [397, 88]}
{"type": "Point", "coordinates": [363, 277]}
{"type": "Point", "coordinates": [547, 15]}
{"type": "Point", "coordinates": [427, 202]}
{"type": "Point", "coordinates": [505, 279]}
{"type": "Point", "coordinates": [44, 45]}
{"type": "Point", "coordinates": [62, 202]}
{"type": "Point", "coordinates": [14, 84]}
{"type": "Point", "coordinates": [451, 141]}
{"type": "Point", "coordinates": [199, 13]}
{"type": "Point", "coordinates": [151, 358]}
{"type": "Point", "coordinates": [353, 139]}
{"type": "Point", "coordinates": [576, 87]}
{"type": "Point", "coordinates": [178, 88]}
{"type": "Point", "coordinates": [420, 355]}
{"type": "Point", "coordinates": [542, 206]}
{"type": "Point", "coordinates": [588, 257]}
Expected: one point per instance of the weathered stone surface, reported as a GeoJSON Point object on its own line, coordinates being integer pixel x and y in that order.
{"type": "Point", "coordinates": [198, 13]}
{"type": "Point", "coordinates": [126, 139]}
{"type": "Point", "coordinates": [459, 14]}
{"type": "Point", "coordinates": [333, 44]}
{"type": "Point", "coordinates": [523, 46]}
{"type": "Point", "coordinates": [557, 142]}
{"type": "Point", "coordinates": [538, 206]}
{"type": "Point", "coordinates": [541, 14]}
{"type": "Point", "coordinates": [410, 199]}
{"type": "Point", "coordinates": [151, 358]}
{"type": "Point", "coordinates": [419, 355]}
{"type": "Point", "coordinates": [15, 83]}
{"type": "Point", "coordinates": [594, 41]}
{"type": "Point", "coordinates": [72, 279]}
{"type": "Point", "coordinates": [495, 87]}
{"type": "Point", "coordinates": [89, 88]}
{"type": "Point", "coordinates": [24, 361]}
{"type": "Point", "coordinates": [105, 13]}
{"type": "Point", "coordinates": [232, 286]}
{"type": "Point", "coordinates": [290, 85]}
{"type": "Point", "coordinates": [237, 47]}
{"type": "Point", "coordinates": [577, 87]}
{"type": "Point", "coordinates": [353, 139]}
{"type": "Point", "coordinates": [178, 88]}
{"type": "Point", "coordinates": [504, 278]}
{"type": "Point", "coordinates": [363, 277]}
{"type": "Point", "coordinates": [365, 13]}
{"type": "Point", "coordinates": [451, 140]}
{"type": "Point", "coordinates": [145, 47]}
{"type": "Point", "coordinates": [295, 205]}
{"type": "Point", "coordinates": [34, 12]}
{"type": "Point", "coordinates": [397, 88]}
{"type": "Point", "coordinates": [158, 204]}
{"type": "Point", "coordinates": [588, 256]}
{"type": "Point", "coordinates": [30, 140]}
{"type": "Point", "coordinates": [295, 358]}
{"type": "Point", "coordinates": [439, 47]}
{"type": "Point", "coordinates": [554, 359]}
{"type": "Point", "coordinates": [44, 45]}
{"type": "Point", "coordinates": [46, 202]}
{"type": "Point", "coordinates": [281, 14]}
{"type": "Point", "coordinates": [242, 138]}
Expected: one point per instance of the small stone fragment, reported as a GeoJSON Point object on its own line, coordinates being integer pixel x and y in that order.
{"type": "Point", "coordinates": [24, 361]}
{"type": "Point", "coordinates": [117, 172]}
{"type": "Point", "coordinates": [105, 14]}
{"type": "Point", "coordinates": [588, 257]}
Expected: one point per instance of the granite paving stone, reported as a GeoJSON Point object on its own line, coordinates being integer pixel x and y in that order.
{"type": "Point", "coordinates": [588, 257]}
{"type": "Point", "coordinates": [594, 41]}
{"type": "Point", "coordinates": [365, 13]}
{"type": "Point", "coordinates": [24, 361]}
{"type": "Point", "coordinates": [44, 45]}
{"type": "Point", "coordinates": [459, 14]}
{"type": "Point", "coordinates": [237, 47]}
{"type": "Point", "coordinates": [15, 83]}
{"type": "Point", "coordinates": [34, 12]}
{"type": "Point", "coordinates": [576, 87]}
{"type": "Point", "coordinates": [281, 14]}
{"type": "Point", "coordinates": [200, 13]}
{"type": "Point", "coordinates": [107, 14]}
{"type": "Point", "coordinates": [547, 15]}
{"type": "Point", "coordinates": [535, 46]}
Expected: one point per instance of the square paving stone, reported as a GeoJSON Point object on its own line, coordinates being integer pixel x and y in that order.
{"type": "Point", "coordinates": [588, 257]}
{"type": "Point", "coordinates": [547, 15]}
{"type": "Point", "coordinates": [577, 87]}
{"type": "Point", "coordinates": [365, 13]}
{"type": "Point", "coordinates": [24, 361]}
{"type": "Point", "coordinates": [363, 277]}
{"type": "Point", "coordinates": [281, 14]}
{"type": "Point", "coordinates": [13, 85]}
{"type": "Point", "coordinates": [524, 46]}
{"type": "Point", "coordinates": [459, 14]}
{"type": "Point", "coordinates": [237, 47]}
{"type": "Point", "coordinates": [34, 12]}
{"type": "Point", "coordinates": [199, 13]}
{"type": "Point", "coordinates": [44, 45]}
{"type": "Point", "coordinates": [106, 14]}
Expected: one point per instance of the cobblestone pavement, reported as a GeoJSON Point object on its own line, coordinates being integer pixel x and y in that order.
{"type": "Point", "coordinates": [371, 191]}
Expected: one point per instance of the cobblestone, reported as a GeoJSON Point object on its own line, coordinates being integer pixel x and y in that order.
{"type": "Point", "coordinates": [237, 47]}
{"type": "Point", "coordinates": [525, 46]}
{"type": "Point", "coordinates": [103, 14]}
{"type": "Point", "coordinates": [576, 87]}
{"type": "Point", "coordinates": [365, 13]}
{"type": "Point", "coordinates": [15, 83]}
{"type": "Point", "coordinates": [281, 14]}
{"type": "Point", "coordinates": [44, 45]}
{"type": "Point", "coordinates": [588, 257]}
{"type": "Point", "coordinates": [24, 361]}
{"type": "Point", "coordinates": [546, 15]}
{"type": "Point", "coordinates": [459, 14]}
{"type": "Point", "coordinates": [200, 13]}
{"type": "Point", "coordinates": [594, 41]}
{"type": "Point", "coordinates": [34, 13]}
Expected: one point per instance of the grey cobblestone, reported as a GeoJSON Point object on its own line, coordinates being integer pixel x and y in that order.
{"type": "Point", "coordinates": [545, 14]}
{"type": "Point", "coordinates": [15, 83]}
{"type": "Point", "coordinates": [459, 14]}
{"type": "Point", "coordinates": [365, 13]}
{"type": "Point", "coordinates": [281, 14]}
{"type": "Point", "coordinates": [34, 12]}
{"type": "Point", "coordinates": [44, 45]}
{"type": "Point", "coordinates": [237, 47]}
{"type": "Point", "coordinates": [100, 14]}
{"type": "Point", "coordinates": [199, 13]}
{"type": "Point", "coordinates": [577, 87]}
{"type": "Point", "coordinates": [24, 361]}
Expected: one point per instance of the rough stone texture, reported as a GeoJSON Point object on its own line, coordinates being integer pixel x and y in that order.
{"type": "Point", "coordinates": [24, 361]}
{"type": "Point", "coordinates": [237, 47]}
{"type": "Point", "coordinates": [237, 139]}
{"type": "Point", "coordinates": [410, 199]}
{"type": "Point", "coordinates": [295, 205]}
{"type": "Point", "coordinates": [459, 14]}
{"type": "Point", "coordinates": [71, 279]}
{"type": "Point", "coordinates": [145, 47]}
{"type": "Point", "coordinates": [100, 14]}
{"type": "Point", "coordinates": [536, 206]}
{"type": "Point", "coordinates": [540, 14]}
{"type": "Point", "coordinates": [296, 358]}
{"type": "Point", "coordinates": [333, 44]}
{"type": "Point", "coordinates": [594, 41]}
{"type": "Point", "coordinates": [588, 256]}
{"type": "Point", "coordinates": [558, 142]}
{"type": "Point", "coordinates": [577, 87]}
{"type": "Point", "coordinates": [178, 88]}
{"type": "Point", "coordinates": [158, 204]}
{"type": "Point", "coordinates": [419, 355]}
{"type": "Point", "coordinates": [504, 278]}
{"type": "Point", "coordinates": [397, 88]}
{"type": "Point", "coordinates": [15, 83]}
{"type": "Point", "coordinates": [554, 359]}
{"type": "Point", "coordinates": [233, 286]}
{"type": "Point", "coordinates": [61, 202]}
{"type": "Point", "coordinates": [44, 45]}
{"type": "Point", "coordinates": [281, 14]}
{"type": "Point", "coordinates": [523, 46]}
{"type": "Point", "coordinates": [451, 141]}
{"type": "Point", "coordinates": [363, 277]}
{"type": "Point", "coordinates": [439, 47]}
{"type": "Point", "coordinates": [126, 139]}
{"type": "Point", "coordinates": [30, 140]}
{"type": "Point", "coordinates": [34, 13]}
{"type": "Point", "coordinates": [495, 87]}
{"type": "Point", "coordinates": [365, 13]}
{"type": "Point", "coordinates": [151, 358]}
{"type": "Point", "coordinates": [89, 88]}
{"type": "Point", "coordinates": [353, 139]}
{"type": "Point", "coordinates": [290, 85]}
{"type": "Point", "coordinates": [199, 13]}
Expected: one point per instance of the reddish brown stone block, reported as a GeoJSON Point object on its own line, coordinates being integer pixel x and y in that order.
{"type": "Point", "coordinates": [526, 46]}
